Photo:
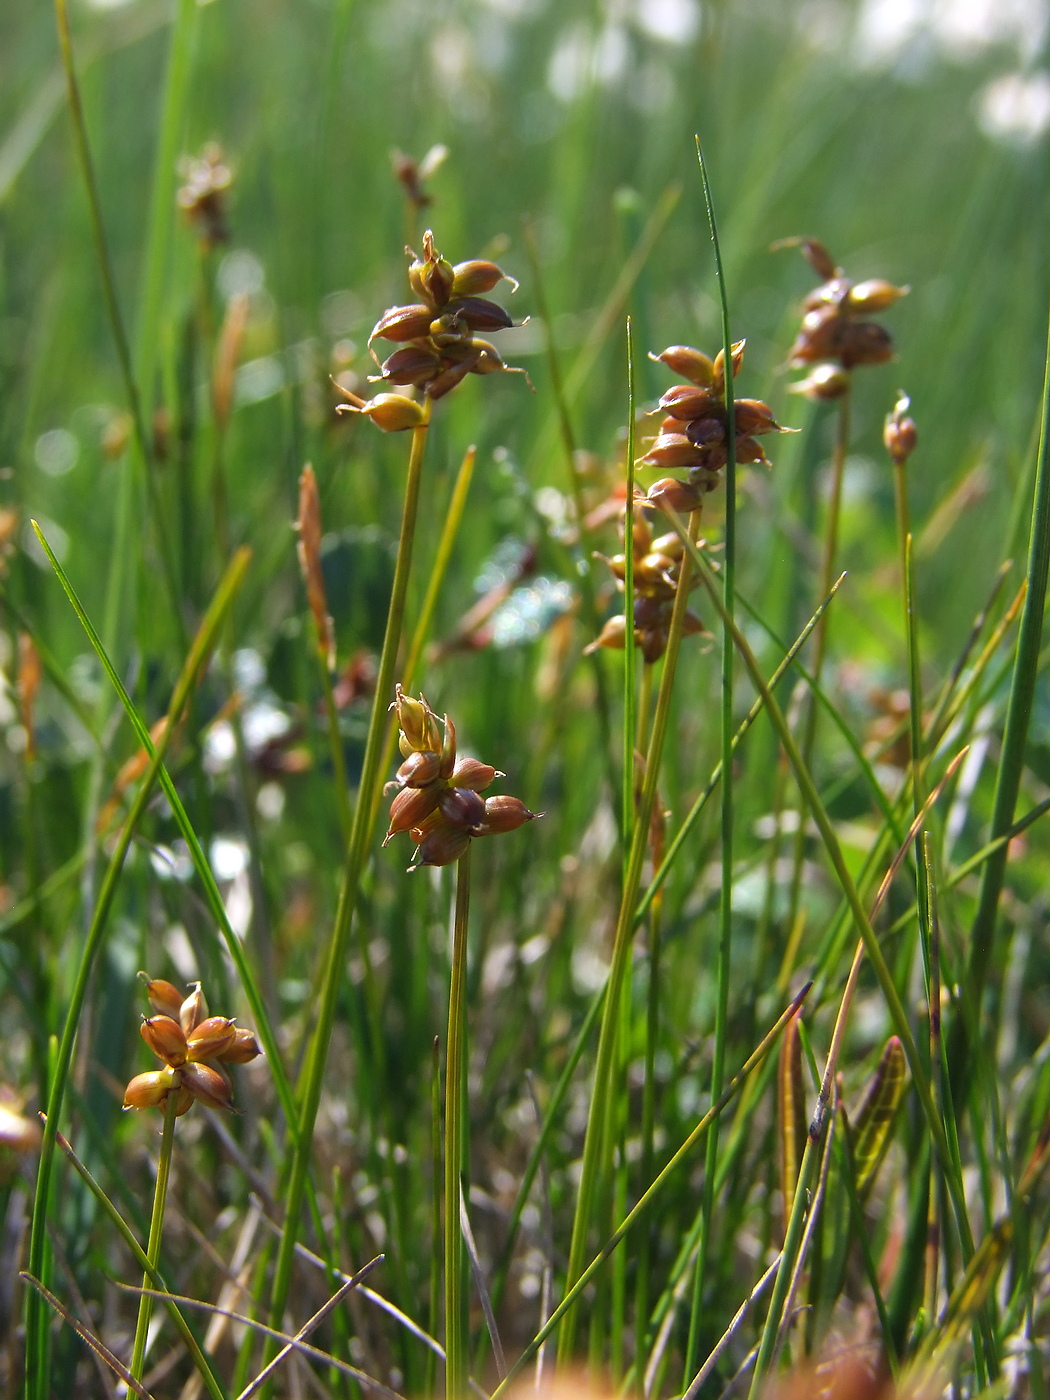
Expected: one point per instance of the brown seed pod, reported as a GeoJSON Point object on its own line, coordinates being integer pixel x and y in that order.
{"type": "Point", "coordinates": [410, 808]}
{"type": "Point", "coordinates": [823, 384]}
{"type": "Point", "coordinates": [479, 314]}
{"type": "Point", "coordinates": [688, 401]}
{"type": "Point", "coordinates": [753, 416]}
{"type": "Point", "coordinates": [165, 1038]}
{"type": "Point", "coordinates": [415, 364]}
{"type": "Point", "coordinates": [393, 413]}
{"type": "Point", "coordinates": [876, 294]}
{"type": "Point", "coordinates": [207, 1085]}
{"type": "Point", "coordinates": [681, 496]}
{"type": "Point", "coordinates": [211, 1039]}
{"type": "Point", "coordinates": [401, 323]}
{"type": "Point", "coordinates": [163, 997]}
{"type": "Point", "coordinates": [243, 1048]}
{"type": "Point", "coordinates": [441, 844]}
{"type": "Point", "coordinates": [672, 450]}
{"type": "Point", "coordinates": [473, 774]}
{"type": "Point", "coordinates": [702, 432]}
{"type": "Point", "coordinates": [419, 768]}
{"type": "Point", "coordinates": [476, 276]}
{"type": "Point", "coordinates": [149, 1090]}
{"type": "Point", "coordinates": [866, 343]}
{"type": "Point", "coordinates": [697, 367]}
{"type": "Point", "coordinates": [462, 808]}
{"type": "Point", "coordinates": [900, 434]}
{"type": "Point", "coordinates": [505, 813]}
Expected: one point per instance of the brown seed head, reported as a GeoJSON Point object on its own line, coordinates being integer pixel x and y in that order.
{"type": "Point", "coordinates": [823, 384]}
{"type": "Point", "coordinates": [900, 434]}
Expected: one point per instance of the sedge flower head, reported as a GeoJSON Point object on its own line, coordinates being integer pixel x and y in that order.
{"type": "Point", "coordinates": [694, 431]}
{"type": "Point", "coordinates": [194, 1048]}
{"type": "Point", "coordinates": [438, 795]}
{"type": "Point", "coordinates": [837, 333]}
{"type": "Point", "coordinates": [657, 567]}
{"type": "Point", "coordinates": [438, 336]}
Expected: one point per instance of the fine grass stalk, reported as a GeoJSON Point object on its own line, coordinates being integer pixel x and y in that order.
{"type": "Point", "coordinates": [356, 857]}
{"type": "Point", "coordinates": [457, 1347]}
{"type": "Point", "coordinates": [1015, 735]}
{"type": "Point", "coordinates": [595, 1135]}
{"type": "Point", "coordinates": [725, 922]}
{"type": "Point", "coordinates": [156, 1230]}
{"type": "Point", "coordinates": [870, 942]}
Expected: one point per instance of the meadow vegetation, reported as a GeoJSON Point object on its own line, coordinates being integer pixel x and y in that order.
{"type": "Point", "coordinates": [729, 1075]}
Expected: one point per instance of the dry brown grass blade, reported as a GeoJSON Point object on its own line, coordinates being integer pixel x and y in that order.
{"type": "Point", "coordinates": [86, 1335]}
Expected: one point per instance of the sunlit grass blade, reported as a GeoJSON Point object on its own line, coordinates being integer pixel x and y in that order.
{"type": "Point", "coordinates": [876, 1114]}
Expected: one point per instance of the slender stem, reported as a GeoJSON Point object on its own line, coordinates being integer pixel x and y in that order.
{"type": "Point", "coordinates": [607, 1038]}
{"type": "Point", "coordinates": [1018, 716]}
{"type": "Point", "coordinates": [434, 1318]}
{"type": "Point", "coordinates": [156, 1230]}
{"type": "Point", "coordinates": [725, 922]}
{"type": "Point", "coordinates": [827, 574]}
{"type": "Point", "coordinates": [646, 1200]}
{"type": "Point", "coordinates": [568, 439]}
{"type": "Point", "coordinates": [811, 798]}
{"type": "Point", "coordinates": [356, 856]}
{"type": "Point", "coordinates": [335, 743]}
{"type": "Point", "coordinates": [116, 321]}
{"type": "Point", "coordinates": [210, 1380]}
{"type": "Point", "coordinates": [456, 1350]}
{"type": "Point", "coordinates": [450, 530]}
{"type": "Point", "coordinates": [630, 661]}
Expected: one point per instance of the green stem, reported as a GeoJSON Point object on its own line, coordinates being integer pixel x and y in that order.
{"type": "Point", "coordinates": [450, 530]}
{"type": "Point", "coordinates": [646, 1200]}
{"type": "Point", "coordinates": [630, 661]}
{"type": "Point", "coordinates": [456, 1347]}
{"type": "Point", "coordinates": [156, 1230]}
{"type": "Point", "coordinates": [811, 798]}
{"type": "Point", "coordinates": [607, 1038]}
{"type": "Point", "coordinates": [1018, 717]}
{"type": "Point", "coordinates": [827, 573]}
{"type": "Point", "coordinates": [725, 923]}
{"type": "Point", "coordinates": [356, 857]}
{"type": "Point", "coordinates": [109, 294]}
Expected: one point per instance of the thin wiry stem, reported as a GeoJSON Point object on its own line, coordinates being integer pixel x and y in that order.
{"type": "Point", "coordinates": [725, 921]}
{"type": "Point", "coordinates": [456, 1345]}
{"type": "Point", "coordinates": [356, 856]}
{"type": "Point", "coordinates": [595, 1137]}
{"type": "Point", "coordinates": [156, 1230]}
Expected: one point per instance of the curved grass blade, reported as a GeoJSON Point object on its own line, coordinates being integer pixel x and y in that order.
{"type": "Point", "coordinates": [877, 1112]}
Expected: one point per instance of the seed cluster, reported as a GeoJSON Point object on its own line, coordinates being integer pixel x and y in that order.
{"type": "Point", "coordinates": [202, 198]}
{"type": "Point", "coordinates": [195, 1048]}
{"type": "Point", "coordinates": [438, 334]}
{"type": "Point", "coordinates": [438, 803]}
{"type": "Point", "coordinates": [657, 565]}
{"type": "Point", "coordinates": [694, 430]}
{"type": "Point", "coordinates": [835, 336]}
